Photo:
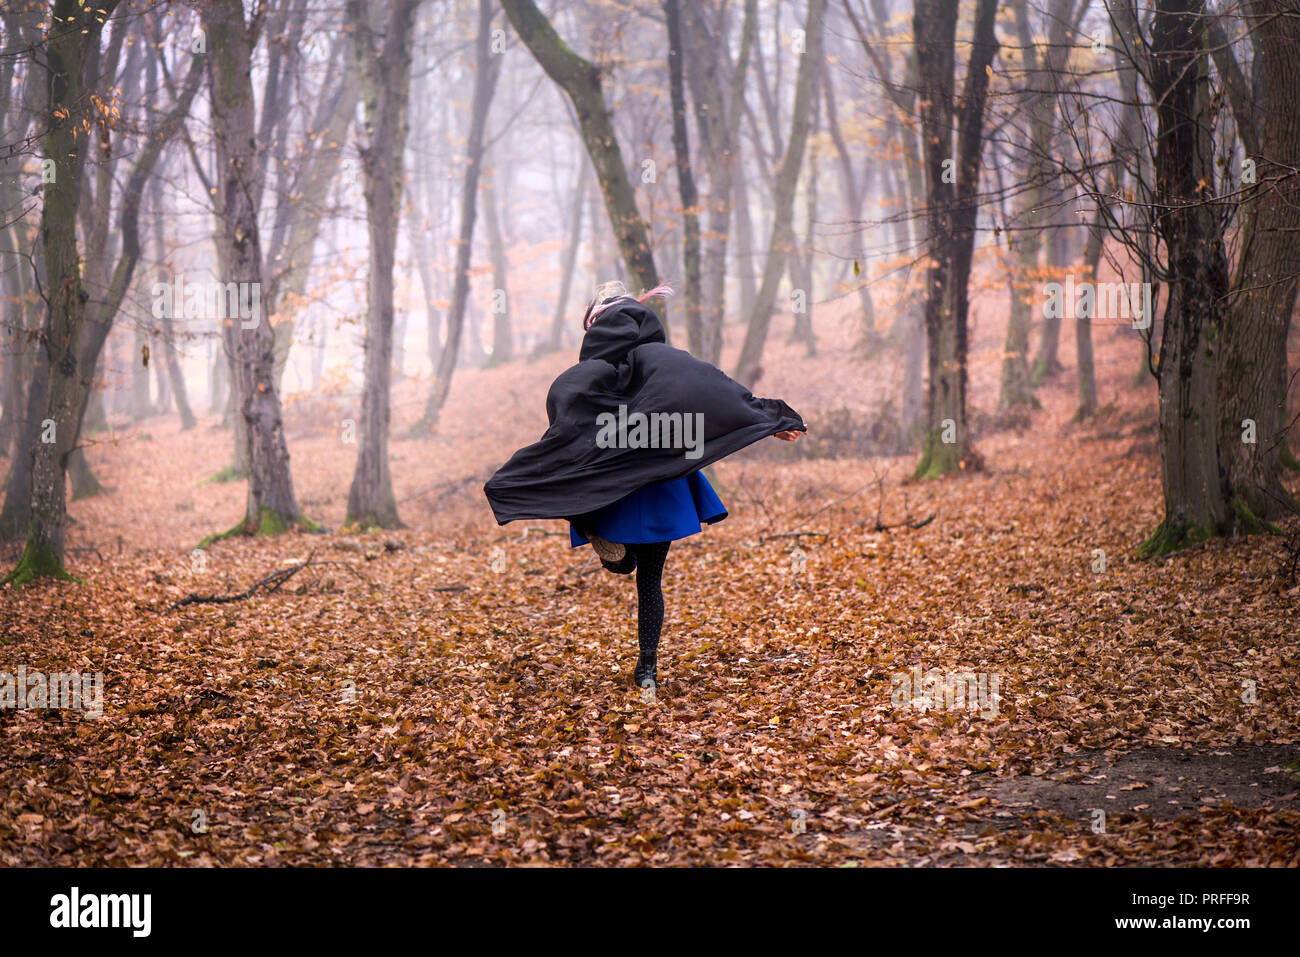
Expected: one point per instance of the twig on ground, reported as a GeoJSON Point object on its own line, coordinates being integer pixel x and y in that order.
{"type": "Point", "coordinates": [272, 582]}
{"type": "Point", "coordinates": [906, 523]}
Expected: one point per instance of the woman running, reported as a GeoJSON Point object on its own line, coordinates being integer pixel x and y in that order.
{"type": "Point", "coordinates": [631, 425]}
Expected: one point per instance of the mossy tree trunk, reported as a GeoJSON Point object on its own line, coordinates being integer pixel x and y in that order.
{"type": "Point", "coordinates": [69, 45]}
{"type": "Point", "coordinates": [935, 31]}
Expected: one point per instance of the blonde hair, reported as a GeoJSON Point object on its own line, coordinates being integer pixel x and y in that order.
{"type": "Point", "coordinates": [614, 289]}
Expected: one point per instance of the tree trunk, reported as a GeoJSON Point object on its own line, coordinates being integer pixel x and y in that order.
{"type": "Point", "coordinates": [743, 259]}
{"type": "Point", "coordinates": [325, 156]}
{"type": "Point", "coordinates": [386, 85]}
{"type": "Point", "coordinates": [1047, 362]}
{"type": "Point", "coordinates": [158, 358]}
{"type": "Point", "coordinates": [56, 392]}
{"type": "Point", "coordinates": [801, 262]}
{"type": "Point", "coordinates": [14, 348]}
{"type": "Point", "coordinates": [869, 337]}
{"type": "Point", "coordinates": [17, 510]}
{"type": "Point", "coordinates": [486, 71]}
{"type": "Point", "coordinates": [690, 197]}
{"type": "Point", "coordinates": [581, 82]}
{"type": "Point", "coordinates": [1041, 71]}
{"type": "Point", "coordinates": [1252, 379]}
{"type": "Point", "coordinates": [318, 356]}
{"type": "Point", "coordinates": [423, 225]}
{"type": "Point", "coordinates": [170, 354]}
{"type": "Point", "coordinates": [1083, 331]}
{"type": "Point", "coordinates": [141, 406]}
{"type": "Point", "coordinates": [1194, 497]}
{"type": "Point", "coordinates": [719, 124]}
{"type": "Point", "coordinates": [218, 375]}
{"type": "Point", "coordinates": [177, 376]}
{"type": "Point", "coordinates": [503, 348]}
{"type": "Point", "coordinates": [951, 219]}
{"type": "Point", "coordinates": [271, 505]}
{"type": "Point", "coordinates": [748, 369]}
{"type": "Point", "coordinates": [568, 266]}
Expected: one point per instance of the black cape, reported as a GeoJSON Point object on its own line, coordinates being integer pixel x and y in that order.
{"type": "Point", "coordinates": [624, 361]}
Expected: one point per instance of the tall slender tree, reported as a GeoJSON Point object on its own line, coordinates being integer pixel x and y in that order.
{"type": "Point", "coordinates": [386, 85]}
{"type": "Point", "coordinates": [487, 70]}
{"type": "Point", "coordinates": [781, 239]}
{"type": "Point", "coordinates": [270, 505]}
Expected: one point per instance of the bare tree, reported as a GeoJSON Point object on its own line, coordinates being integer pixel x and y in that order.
{"type": "Point", "coordinates": [748, 368]}
{"type": "Point", "coordinates": [686, 188]}
{"type": "Point", "coordinates": [568, 266]}
{"type": "Point", "coordinates": [487, 69]}
{"type": "Point", "coordinates": [271, 505]}
{"type": "Point", "coordinates": [718, 114]}
{"type": "Point", "coordinates": [950, 217]}
{"type": "Point", "coordinates": [581, 82]}
{"type": "Point", "coordinates": [1042, 69]}
{"type": "Point", "coordinates": [502, 333]}
{"type": "Point", "coordinates": [386, 85]}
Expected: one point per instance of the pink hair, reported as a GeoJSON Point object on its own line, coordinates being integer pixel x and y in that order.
{"type": "Point", "coordinates": [663, 290]}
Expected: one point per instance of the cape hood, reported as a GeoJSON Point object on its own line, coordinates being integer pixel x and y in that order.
{"type": "Point", "coordinates": [624, 368]}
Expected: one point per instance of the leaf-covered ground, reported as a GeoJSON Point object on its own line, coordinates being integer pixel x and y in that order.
{"type": "Point", "coordinates": [460, 693]}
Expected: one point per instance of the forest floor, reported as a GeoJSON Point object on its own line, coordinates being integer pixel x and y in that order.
{"type": "Point", "coordinates": [459, 693]}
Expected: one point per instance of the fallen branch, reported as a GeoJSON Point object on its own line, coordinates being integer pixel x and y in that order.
{"type": "Point", "coordinates": [272, 582]}
{"type": "Point", "coordinates": [913, 525]}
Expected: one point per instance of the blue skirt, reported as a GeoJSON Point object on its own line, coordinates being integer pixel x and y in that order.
{"type": "Point", "coordinates": [663, 512]}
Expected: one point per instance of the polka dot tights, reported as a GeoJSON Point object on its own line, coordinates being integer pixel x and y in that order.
{"type": "Point", "coordinates": [650, 558]}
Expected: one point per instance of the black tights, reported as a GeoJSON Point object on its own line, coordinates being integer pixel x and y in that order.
{"type": "Point", "coordinates": [650, 558]}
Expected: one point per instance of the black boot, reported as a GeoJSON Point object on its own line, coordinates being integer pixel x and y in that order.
{"type": "Point", "coordinates": [624, 567]}
{"type": "Point", "coordinates": [647, 671]}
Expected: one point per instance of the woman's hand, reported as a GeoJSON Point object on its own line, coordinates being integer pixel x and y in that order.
{"type": "Point", "coordinates": [788, 436]}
